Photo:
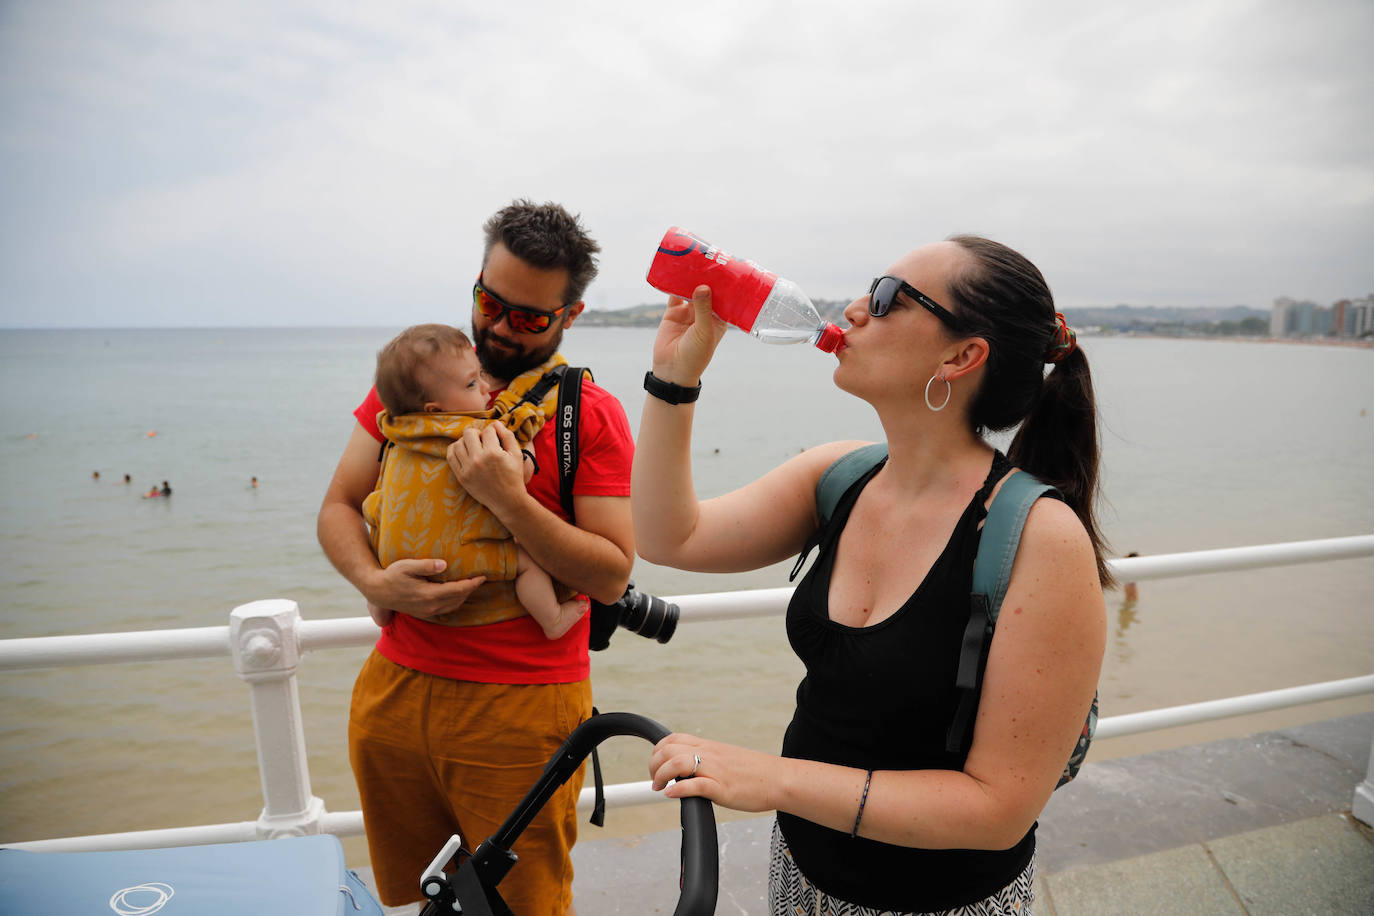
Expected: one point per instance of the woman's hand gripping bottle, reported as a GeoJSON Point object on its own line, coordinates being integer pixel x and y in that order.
{"type": "Point", "coordinates": [771, 308]}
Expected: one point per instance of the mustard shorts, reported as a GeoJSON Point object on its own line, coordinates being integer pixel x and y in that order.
{"type": "Point", "coordinates": [434, 756]}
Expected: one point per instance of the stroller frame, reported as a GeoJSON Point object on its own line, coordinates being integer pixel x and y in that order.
{"type": "Point", "coordinates": [471, 889]}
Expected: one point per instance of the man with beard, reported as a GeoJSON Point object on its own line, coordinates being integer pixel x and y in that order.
{"type": "Point", "coordinates": [451, 725]}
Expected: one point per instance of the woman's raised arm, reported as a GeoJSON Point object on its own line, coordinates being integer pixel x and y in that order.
{"type": "Point", "coordinates": [758, 524]}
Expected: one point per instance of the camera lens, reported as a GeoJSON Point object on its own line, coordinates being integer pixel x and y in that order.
{"type": "Point", "coordinates": [647, 615]}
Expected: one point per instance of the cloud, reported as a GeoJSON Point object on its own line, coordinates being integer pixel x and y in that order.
{"type": "Point", "coordinates": [299, 163]}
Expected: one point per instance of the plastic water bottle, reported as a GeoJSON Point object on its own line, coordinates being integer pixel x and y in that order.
{"type": "Point", "coordinates": [771, 308]}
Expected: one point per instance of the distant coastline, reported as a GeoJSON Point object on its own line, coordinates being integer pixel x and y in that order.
{"type": "Point", "coordinates": [636, 316]}
{"type": "Point", "coordinates": [1237, 322]}
{"type": "Point", "coordinates": [1362, 344]}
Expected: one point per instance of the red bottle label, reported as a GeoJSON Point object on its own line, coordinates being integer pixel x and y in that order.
{"type": "Point", "coordinates": [738, 288]}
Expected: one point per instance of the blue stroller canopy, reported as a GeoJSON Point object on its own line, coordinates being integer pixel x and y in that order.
{"type": "Point", "coordinates": [300, 876]}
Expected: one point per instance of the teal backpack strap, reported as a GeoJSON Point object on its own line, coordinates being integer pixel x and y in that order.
{"type": "Point", "coordinates": [991, 574]}
{"type": "Point", "coordinates": [842, 473]}
{"type": "Point", "coordinates": [835, 482]}
{"type": "Point", "coordinates": [1002, 535]}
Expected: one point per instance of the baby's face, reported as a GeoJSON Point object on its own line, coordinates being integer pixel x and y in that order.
{"type": "Point", "coordinates": [455, 383]}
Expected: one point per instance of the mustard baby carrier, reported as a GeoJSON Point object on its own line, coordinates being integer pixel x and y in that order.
{"type": "Point", "coordinates": [419, 510]}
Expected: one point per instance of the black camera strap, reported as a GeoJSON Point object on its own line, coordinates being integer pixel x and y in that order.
{"type": "Point", "coordinates": [569, 407]}
{"type": "Point", "coordinates": [569, 403]}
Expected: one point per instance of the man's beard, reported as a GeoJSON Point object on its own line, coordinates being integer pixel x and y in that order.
{"type": "Point", "coordinates": [504, 364]}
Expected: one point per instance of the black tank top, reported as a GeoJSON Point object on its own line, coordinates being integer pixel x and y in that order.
{"type": "Point", "coordinates": [882, 697]}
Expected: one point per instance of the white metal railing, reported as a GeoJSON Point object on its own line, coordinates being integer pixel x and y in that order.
{"type": "Point", "coordinates": [266, 639]}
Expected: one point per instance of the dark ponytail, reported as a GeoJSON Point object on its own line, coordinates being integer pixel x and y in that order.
{"type": "Point", "coordinates": [1003, 298]}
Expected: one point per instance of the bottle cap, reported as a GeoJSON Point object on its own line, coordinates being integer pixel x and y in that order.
{"type": "Point", "coordinates": [831, 338]}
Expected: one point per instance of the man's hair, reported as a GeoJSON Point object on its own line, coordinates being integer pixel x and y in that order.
{"type": "Point", "coordinates": [399, 362]}
{"type": "Point", "coordinates": [548, 237]}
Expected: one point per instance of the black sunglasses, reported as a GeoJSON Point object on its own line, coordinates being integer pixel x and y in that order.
{"type": "Point", "coordinates": [884, 292]}
{"type": "Point", "coordinates": [521, 318]}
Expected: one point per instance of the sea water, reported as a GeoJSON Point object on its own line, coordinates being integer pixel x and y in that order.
{"type": "Point", "coordinates": [1206, 444]}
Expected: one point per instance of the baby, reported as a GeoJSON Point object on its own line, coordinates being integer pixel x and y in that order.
{"type": "Point", "coordinates": [431, 384]}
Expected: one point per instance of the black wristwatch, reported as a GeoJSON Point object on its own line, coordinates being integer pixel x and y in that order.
{"type": "Point", "coordinates": [667, 391]}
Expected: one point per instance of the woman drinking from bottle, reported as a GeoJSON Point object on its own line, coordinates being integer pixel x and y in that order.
{"type": "Point", "coordinates": [874, 813]}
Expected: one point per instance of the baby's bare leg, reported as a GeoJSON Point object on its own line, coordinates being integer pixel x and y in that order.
{"type": "Point", "coordinates": [534, 588]}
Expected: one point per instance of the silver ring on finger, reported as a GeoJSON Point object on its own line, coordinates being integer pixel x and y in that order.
{"type": "Point", "coordinates": [696, 762]}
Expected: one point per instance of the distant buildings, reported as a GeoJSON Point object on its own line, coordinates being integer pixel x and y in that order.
{"type": "Point", "coordinates": [1346, 318]}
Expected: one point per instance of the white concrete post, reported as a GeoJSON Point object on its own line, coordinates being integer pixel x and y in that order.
{"type": "Point", "coordinates": [266, 649]}
{"type": "Point", "coordinates": [1363, 806]}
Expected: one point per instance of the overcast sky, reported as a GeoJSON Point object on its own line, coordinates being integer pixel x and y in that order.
{"type": "Point", "coordinates": [312, 162]}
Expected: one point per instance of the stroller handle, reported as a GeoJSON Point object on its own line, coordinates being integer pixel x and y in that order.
{"type": "Point", "coordinates": [700, 858]}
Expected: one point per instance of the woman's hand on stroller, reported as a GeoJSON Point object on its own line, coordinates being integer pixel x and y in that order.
{"type": "Point", "coordinates": [685, 766]}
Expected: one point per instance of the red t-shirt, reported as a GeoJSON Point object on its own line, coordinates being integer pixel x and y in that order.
{"type": "Point", "coordinates": [517, 651]}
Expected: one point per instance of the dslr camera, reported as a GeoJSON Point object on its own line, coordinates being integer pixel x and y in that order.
{"type": "Point", "coordinates": [647, 615]}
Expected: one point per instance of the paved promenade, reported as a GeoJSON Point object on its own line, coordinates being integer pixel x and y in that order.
{"type": "Point", "coordinates": [1256, 825]}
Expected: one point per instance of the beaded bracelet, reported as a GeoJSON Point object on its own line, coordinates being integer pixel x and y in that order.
{"type": "Point", "coordinates": [868, 780]}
